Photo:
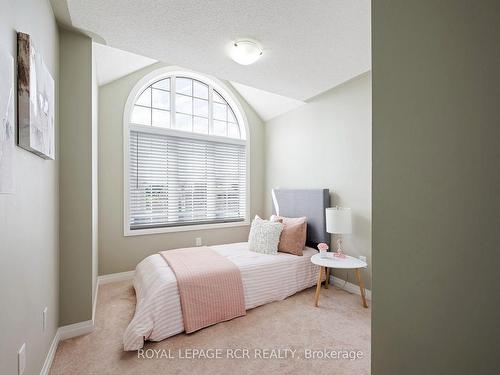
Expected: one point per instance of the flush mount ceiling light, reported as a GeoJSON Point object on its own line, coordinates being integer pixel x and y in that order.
{"type": "Point", "coordinates": [245, 52]}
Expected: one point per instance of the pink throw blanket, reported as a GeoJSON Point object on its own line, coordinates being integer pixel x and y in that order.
{"type": "Point", "coordinates": [210, 286]}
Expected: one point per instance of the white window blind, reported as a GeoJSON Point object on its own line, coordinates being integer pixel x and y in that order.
{"type": "Point", "coordinates": [177, 181]}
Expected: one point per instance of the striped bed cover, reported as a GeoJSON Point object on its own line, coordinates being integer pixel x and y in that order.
{"type": "Point", "coordinates": [265, 278]}
{"type": "Point", "coordinates": [209, 285]}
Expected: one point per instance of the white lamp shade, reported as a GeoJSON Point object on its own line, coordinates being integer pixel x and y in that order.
{"type": "Point", "coordinates": [338, 220]}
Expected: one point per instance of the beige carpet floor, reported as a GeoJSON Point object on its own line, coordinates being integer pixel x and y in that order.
{"type": "Point", "coordinates": [340, 324]}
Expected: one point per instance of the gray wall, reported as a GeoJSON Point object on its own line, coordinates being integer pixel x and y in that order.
{"type": "Point", "coordinates": [29, 218]}
{"type": "Point", "coordinates": [326, 143]}
{"type": "Point", "coordinates": [77, 239]}
{"type": "Point", "coordinates": [118, 253]}
{"type": "Point", "coordinates": [436, 183]}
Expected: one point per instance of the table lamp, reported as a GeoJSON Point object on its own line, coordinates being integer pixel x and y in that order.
{"type": "Point", "coordinates": [338, 221]}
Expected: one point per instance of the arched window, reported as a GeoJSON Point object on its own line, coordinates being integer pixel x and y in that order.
{"type": "Point", "coordinates": [185, 155]}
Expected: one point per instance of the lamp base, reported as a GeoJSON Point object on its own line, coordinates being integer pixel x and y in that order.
{"type": "Point", "coordinates": [340, 250]}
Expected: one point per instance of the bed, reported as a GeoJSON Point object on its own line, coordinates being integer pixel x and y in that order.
{"type": "Point", "coordinates": [265, 278]}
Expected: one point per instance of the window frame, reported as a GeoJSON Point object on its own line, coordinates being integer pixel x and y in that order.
{"type": "Point", "coordinates": [229, 96]}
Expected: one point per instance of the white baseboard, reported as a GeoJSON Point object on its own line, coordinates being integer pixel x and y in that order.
{"type": "Point", "coordinates": [114, 277]}
{"type": "Point", "coordinates": [94, 302]}
{"type": "Point", "coordinates": [63, 333]}
{"type": "Point", "coordinates": [50, 355]}
{"type": "Point", "coordinates": [351, 288]}
{"type": "Point", "coordinates": [74, 330]}
{"type": "Point", "coordinates": [81, 328]}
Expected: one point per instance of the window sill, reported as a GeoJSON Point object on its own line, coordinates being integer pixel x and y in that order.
{"type": "Point", "coordinates": [141, 232]}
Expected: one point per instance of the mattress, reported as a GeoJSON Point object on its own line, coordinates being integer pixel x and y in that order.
{"type": "Point", "coordinates": [266, 278]}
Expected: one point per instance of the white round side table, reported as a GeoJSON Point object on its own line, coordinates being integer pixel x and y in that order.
{"type": "Point", "coordinates": [340, 263]}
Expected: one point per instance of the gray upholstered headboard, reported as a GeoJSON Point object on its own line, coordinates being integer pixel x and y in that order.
{"type": "Point", "coordinates": [310, 203]}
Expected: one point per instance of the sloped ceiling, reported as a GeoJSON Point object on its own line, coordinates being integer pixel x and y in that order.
{"type": "Point", "coordinates": [113, 63]}
{"type": "Point", "coordinates": [266, 104]}
{"type": "Point", "coordinates": [309, 46]}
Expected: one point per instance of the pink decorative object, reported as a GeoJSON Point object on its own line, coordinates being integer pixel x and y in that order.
{"type": "Point", "coordinates": [339, 255]}
{"type": "Point", "coordinates": [323, 248]}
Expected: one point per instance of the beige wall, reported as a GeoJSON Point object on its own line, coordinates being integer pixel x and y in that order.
{"type": "Point", "coordinates": [118, 253]}
{"type": "Point", "coordinates": [95, 175]}
{"type": "Point", "coordinates": [436, 183]}
{"type": "Point", "coordinates": [326, 143]}
{"type": "Point", "coordinates": [29, 218]}
{"type": "Point", "coordinates": [77, 240]}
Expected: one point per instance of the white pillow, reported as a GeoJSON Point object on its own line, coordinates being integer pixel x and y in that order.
{"type": "Point", "coordinates": [264, 236]}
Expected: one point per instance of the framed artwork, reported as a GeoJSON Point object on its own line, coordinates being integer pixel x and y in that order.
{"type": "Point", "coordinates": [7, 142]}
{"type": "Point", "coordinates": [35, 100]}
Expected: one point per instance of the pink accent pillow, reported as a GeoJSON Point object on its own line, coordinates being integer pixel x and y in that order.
{"type": "Point", "coordinates": [293, 235]}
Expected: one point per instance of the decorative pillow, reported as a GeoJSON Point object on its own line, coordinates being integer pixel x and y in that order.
{"type": "Point", "coordinates": [293, 235]}
{"type": "Point", "coordinates": [264, 236]}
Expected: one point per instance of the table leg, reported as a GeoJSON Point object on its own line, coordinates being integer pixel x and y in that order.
{"type": "Point", "coordinates": [361, 287]}
{"type": "Point", "coordinates": [318, 287]}
{"type": "Point", "coordinates": [327, 281]}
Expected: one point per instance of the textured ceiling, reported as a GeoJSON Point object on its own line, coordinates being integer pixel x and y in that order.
{"type": "Point", "coordinates": [309, 46]}
{"type": "Point", "coordinates": [266, 104]}
{"type": "Point", "coordinates": [113, 63]}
